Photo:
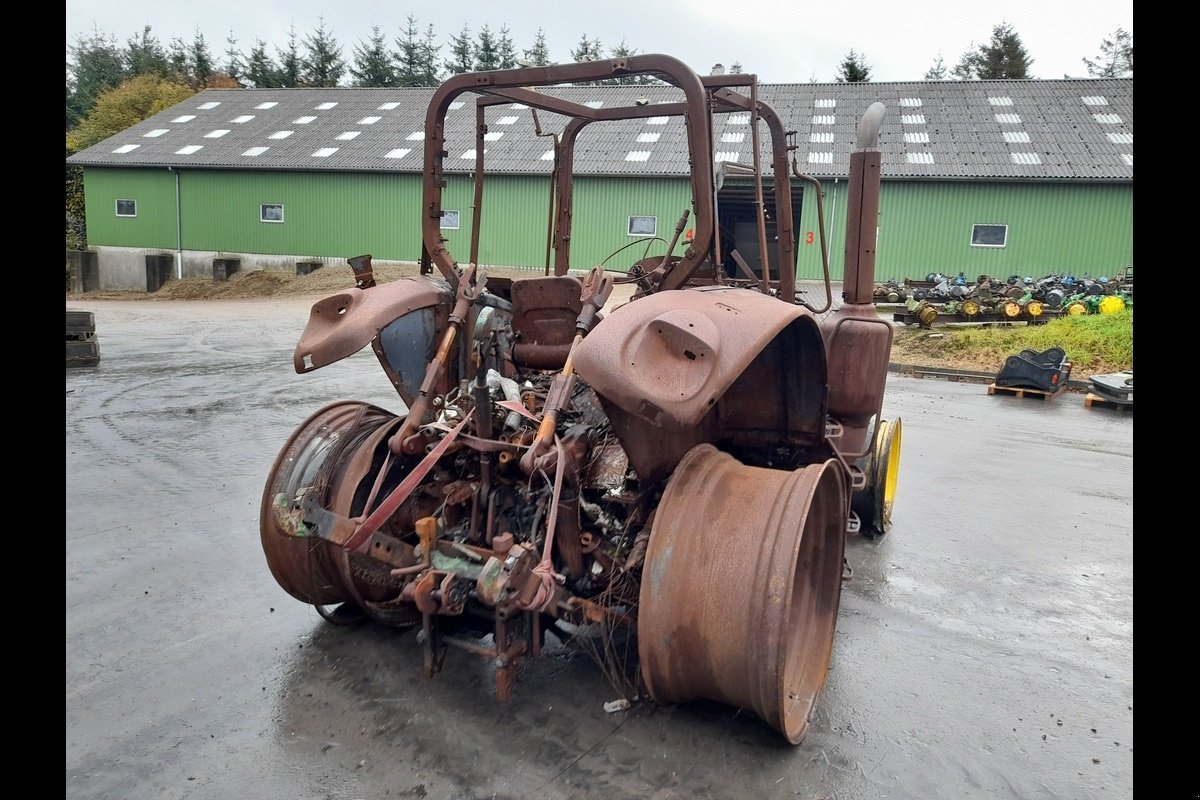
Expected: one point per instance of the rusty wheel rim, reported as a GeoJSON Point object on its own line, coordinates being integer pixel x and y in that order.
{"type": "Point", "coordinates": [741, 586]}
{"type": "Point", "coordinates": [306, 567]}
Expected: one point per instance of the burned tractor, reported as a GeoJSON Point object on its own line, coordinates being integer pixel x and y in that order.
{"type": "Point", "coordinates": [670, 481]}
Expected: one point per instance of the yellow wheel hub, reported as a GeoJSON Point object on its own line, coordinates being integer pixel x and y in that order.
{"type": "Point", "coordinates": [1034, 308]}
{"type": "Point", "coordinates": [1075, 309]}
{"type": "Point", "coordinates": [1111, 305]}
{"type": "Point", "coordinates": [887, 459]}
{"type": "Point", "coordinates": [970, 308]}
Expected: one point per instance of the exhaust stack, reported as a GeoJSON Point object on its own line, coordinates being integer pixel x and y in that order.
{"type": "Point", "coordinates": [863, 209]}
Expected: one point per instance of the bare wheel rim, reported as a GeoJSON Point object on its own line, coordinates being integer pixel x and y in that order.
{"type": "Point", "coordinates": [741, 586]}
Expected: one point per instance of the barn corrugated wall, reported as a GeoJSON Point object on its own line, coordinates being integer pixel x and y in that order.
{"type": "Point", "coordinates": [923, 226]}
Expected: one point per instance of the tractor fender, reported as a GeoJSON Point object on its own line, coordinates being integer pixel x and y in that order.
{"type": "Point", "coordinates": [344, 323]}
{"type": "Point", "coordinates": [669, 357]}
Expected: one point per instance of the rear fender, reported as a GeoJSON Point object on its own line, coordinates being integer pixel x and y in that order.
{"type": "Point", "coordinates": [713, 364]}
{"type": "Point", "coordinates": [342, 324]}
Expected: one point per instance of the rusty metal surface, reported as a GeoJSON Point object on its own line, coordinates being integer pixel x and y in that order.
{"type": "Point", "coordinates": [544, 313]}
{"type": "Point", "coordinates": [305, 565]}
{"type": "Point", "coordinates": [859, 346]}
{"type": "Point", "coordinates": [679, 462]}
{"type": "Point", "coordinates": [517, 84]}
{"type": "Point", "coordinates": [741, 587]}
{"type": "Point", "coordinates": [669, 357]}
{"type": "Point", "coordinates": [344, 323]}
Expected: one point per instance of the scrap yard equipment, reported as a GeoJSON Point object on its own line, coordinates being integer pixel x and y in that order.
{"type": "Point", "coordinates": [668, 483]}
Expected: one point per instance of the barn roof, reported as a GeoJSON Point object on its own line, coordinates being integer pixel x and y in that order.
{"type": "Point", "coordinates": [1071, 129]}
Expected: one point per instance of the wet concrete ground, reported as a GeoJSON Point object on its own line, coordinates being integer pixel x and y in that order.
{"type": "Point", "coordinates": [984, 648]}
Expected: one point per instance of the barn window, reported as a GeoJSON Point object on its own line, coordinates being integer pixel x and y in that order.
{"type": "Point", "coordinates": [450, 219]}
{"type": "Point", "coordinates": [643, 226]}
{"type": "Point", "coordinates": [127, 208]}
{"type": "Point", "coordinates": [270, 212]}
{"type": "Point", "coordinates": [989, 235]}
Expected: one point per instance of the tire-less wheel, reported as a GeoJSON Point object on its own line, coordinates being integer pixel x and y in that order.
{"type": "Point", "coordinates": [741, 586]}
{"type": "Point", "coordinates": [333, 454]}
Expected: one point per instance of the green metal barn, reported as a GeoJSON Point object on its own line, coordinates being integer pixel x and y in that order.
{"type": "Point", "coordinates": [1005, 177]}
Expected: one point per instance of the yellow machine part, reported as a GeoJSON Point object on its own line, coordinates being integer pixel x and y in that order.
{"type": "Point", "coordinates": [1111, 305]}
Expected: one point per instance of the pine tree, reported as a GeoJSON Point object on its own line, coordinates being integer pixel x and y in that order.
{"type": "Point", "coordinates": [486, 57]}
{"type": "Point", "coordinates": [587, 50]}
{"type": "Point", "coordinates": [144, 55]}
{"type": "Point", "coordinates": [261, 72]}
{"type": "Point", "coordinates": [462, 53]}
{"type": "Point", "coordinates": [373, 65]}
{"type": "Point", "coordinates": [409, 56]}
{"type": "Point", "coordinates": [938, 71]}
{"type": "Point", "coordinates": [288, 74]}
{"type": "Point", "coordinates": [1003, 57]}
{"type": "Point", "coordinates": [234, 67]}
{"type": "Point", "coordinates": [538, 55]}
{"type": "Point", "coordinates": [200, 62]}
{"type": "Point", "coordinates": [736, 68]}
{"type": "Point", "coordinates": [177, 60]}
{"type": "Point", "coordinates": [1115, 59]}
{"type": "Point", "coordinates": [322, 64]}
{"type": "Point", "coordinates": [853, 69]}
{"type": "Point", "coordinates": [429, 74]}
{"type": "Point", "coordinates": [506, 53]}
{"type": "Point", "coordinates": [95, 64]}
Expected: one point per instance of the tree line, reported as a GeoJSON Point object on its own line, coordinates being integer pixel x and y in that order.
{"type": "Point", "coordinates": [1004, 56]}
{"type": "Point", "coordinates": [97, 61]}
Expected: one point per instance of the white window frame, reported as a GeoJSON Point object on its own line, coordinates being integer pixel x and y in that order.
{"type": "Point", "coordinates": [629, 225]}
{"type": "Point", "coordinates": [117, 207]}
{"type": "Point", "coordinates": [976, 225]}
{"type": "Point", "coordinates": [444, 223]}
{"type": "Point", "coordinates": [262, 212]}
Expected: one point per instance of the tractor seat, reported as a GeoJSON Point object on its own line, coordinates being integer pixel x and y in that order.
{"type": "Point", "coordinates": [544, 314]}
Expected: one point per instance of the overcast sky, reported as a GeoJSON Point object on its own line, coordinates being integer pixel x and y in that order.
{"type": "Point", "coordinates": [780, 42]}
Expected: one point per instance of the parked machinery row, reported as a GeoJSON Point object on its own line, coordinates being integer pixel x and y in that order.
{"type": "Point", "coordinates": [1012, 300]}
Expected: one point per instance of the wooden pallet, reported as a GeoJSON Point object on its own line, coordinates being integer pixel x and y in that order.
{"type": "Point", "coordinates": [1021, 391]}
{"type": "Point", "coordinates": [1094, 400]}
